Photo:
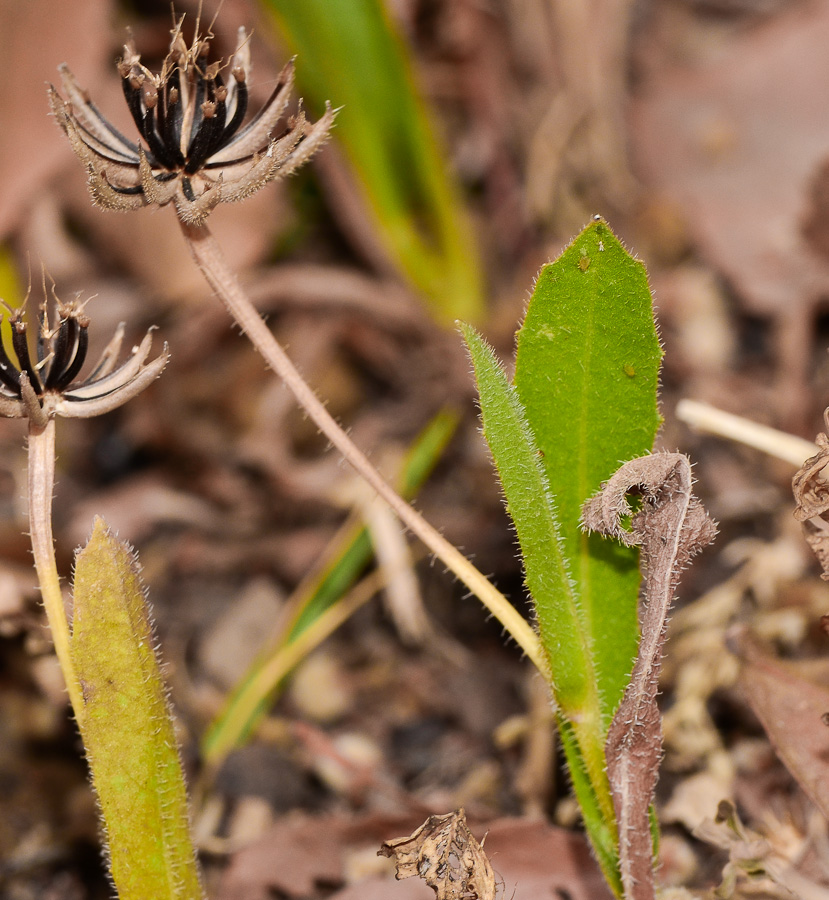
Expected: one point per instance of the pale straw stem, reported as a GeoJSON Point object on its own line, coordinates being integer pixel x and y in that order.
{"type": "Point", "coordinates": [788, 447]}
{"type": "Point", "coordinates": [41, 482]}
{"type": "Point", "coordinates": [211, 261]}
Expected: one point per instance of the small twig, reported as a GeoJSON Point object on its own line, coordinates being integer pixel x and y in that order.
{"type": "Point", "coordinates": [41, 482]}
{"type": "Point", "coordinates": [776, 443]}
{"type": "Point", "coordinates": [212, 263]}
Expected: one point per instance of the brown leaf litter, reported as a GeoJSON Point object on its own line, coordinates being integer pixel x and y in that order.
{"type": "Point", "coordinates": [734, 141]}
{"type": "Point", "coordinates": [301, 853]}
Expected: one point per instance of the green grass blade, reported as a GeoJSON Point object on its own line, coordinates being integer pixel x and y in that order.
{"type": "Point", "coordinates": [546, 567]}
{"type": "Point", "coordinates": [350, 53]}
{"type": "Point", "coordinates": [127, 728]}
{"type": "Point", "coordinates": [587, 371]}
{"type": "Point", "coordinates": [346, 558]}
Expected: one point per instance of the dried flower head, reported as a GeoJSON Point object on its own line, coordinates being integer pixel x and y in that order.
{"type": "Point", "coordinates": [45, 383]}
{"type": "Point", "coordinates": [193, 149]}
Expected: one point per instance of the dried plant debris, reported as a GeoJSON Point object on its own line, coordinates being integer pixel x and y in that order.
{"type": "Point", "coordinates": [446, 855]}
{"type": "Point", "coordinates": [671, 526]}
{"type": "Point", "coordinates": [811, 494]}
{"type": "Point", "coordinates": [754, 868]}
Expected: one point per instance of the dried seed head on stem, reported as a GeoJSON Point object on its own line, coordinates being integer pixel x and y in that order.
{"type": "Point", "coordinates": [194, 149]}
{"type": "Point", "coordinates": [41, 382]}
{"type": "Point", "coordinates": [192, 153]}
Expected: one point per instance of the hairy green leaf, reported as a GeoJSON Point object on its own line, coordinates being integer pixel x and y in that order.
{"type": "Point", "coordinates": [530, 505]}
{"type": "Point", "coordinates": [546, 567]}
{"type": "Point", "coordinates": [586, 371]}
{"type": "Point", "coordinates": [584, 400]}
{"type": "Point", "coordinates": [350, 53]}
{"type": "Point", "coordinates": [127, 727]}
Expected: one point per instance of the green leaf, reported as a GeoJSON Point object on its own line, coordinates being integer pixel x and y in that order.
{"type": "Point", "coordinates": [546, 567]}
{"type": "Point", "coordinates": [587, 371]}
{"type": "Point", "coordinates": [584, 400]}
{"type": "Point", "coordinates": [530, 505]}
{"type": "Point", "coordinates": [350, 53]}
{"type": "Point", "coordinates": [127, 727]}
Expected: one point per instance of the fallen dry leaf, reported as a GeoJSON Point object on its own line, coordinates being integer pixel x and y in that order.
{"type": "Point", "coordinates": [293, 857]}
{"type": "Point", "coordinates": [733, 140]}
{"type": "Point", "coordinates": [446, 855]}
{"type": "Point", "coordinates": [791, 708]}
{"type": "Point", "coordinates": [754, 868]}
{"type": "Point", "coordinates": [378, 889]}
{"type": "Point", "coordinates": [671, 527]}
{"type": "Point", "coordinates": [531, 859]}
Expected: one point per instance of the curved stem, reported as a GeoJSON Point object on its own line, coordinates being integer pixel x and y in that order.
{"type": "Point", "coordinates": [41, 482]}
{"type": "Point", "coordinates": [213, 265]}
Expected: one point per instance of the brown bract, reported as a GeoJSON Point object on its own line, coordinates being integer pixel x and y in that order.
{"type": "Point", "coordinates": [192, 150]}
{"type": "Point", "coordinates": [43, 381]}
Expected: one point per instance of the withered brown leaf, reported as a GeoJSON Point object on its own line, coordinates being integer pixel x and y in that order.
{"type": "Point", "coordinates": [811, 494]}
{"type": "Point", "coordinates": [671, 526]}
{"type": "Point", "coordinates": [446, 855]}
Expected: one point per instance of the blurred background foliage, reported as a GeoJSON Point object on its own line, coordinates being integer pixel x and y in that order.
{"type": "Point", "coordinates": [350, 53]}
{"type": "Point", "coordinates": [690, 125]}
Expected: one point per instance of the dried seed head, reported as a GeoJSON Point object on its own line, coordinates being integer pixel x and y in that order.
{"type": "Point", "coordinates": [44, 383]}
{"type": "Point", "coordinates": [193, 150]}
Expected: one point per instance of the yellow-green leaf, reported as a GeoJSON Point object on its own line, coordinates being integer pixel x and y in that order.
{"type": "Point", "coordinates": [127, 727]}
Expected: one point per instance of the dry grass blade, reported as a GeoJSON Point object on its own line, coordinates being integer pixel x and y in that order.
{"type": "Point", "coordinates": [671, 527]}
{"type": "Point", "coordinates": [445, 854]}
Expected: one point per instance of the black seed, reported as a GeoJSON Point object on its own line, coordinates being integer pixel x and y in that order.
{"type": "Point", "coordinates": [170, 117]}
{"type": "Point", "coordinates": [80, 346]}
{"type": "Point", "coordinates": [21, 348]}
{"type": "Point", "coordinates": [9, 374]}
{"type": "Point", "coordinates": [160, 150]}
{"type": "Point", "coordinates": [238, 114]}
{"type": "Point", "coordinates": [62, 349]}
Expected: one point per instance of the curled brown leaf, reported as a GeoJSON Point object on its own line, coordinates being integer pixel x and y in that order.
{"type": "Point", "coordinates": [671, 526]}
{"type": "Point", "coordinates": [446, 855]}
{"type": "Point", "coordinates": [811, 494]}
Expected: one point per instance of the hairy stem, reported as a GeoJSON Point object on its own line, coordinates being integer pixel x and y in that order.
{"type": "Point", "coordinates": [213, 265]}
{"type": "Point", "coordinates": [41, 482]}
